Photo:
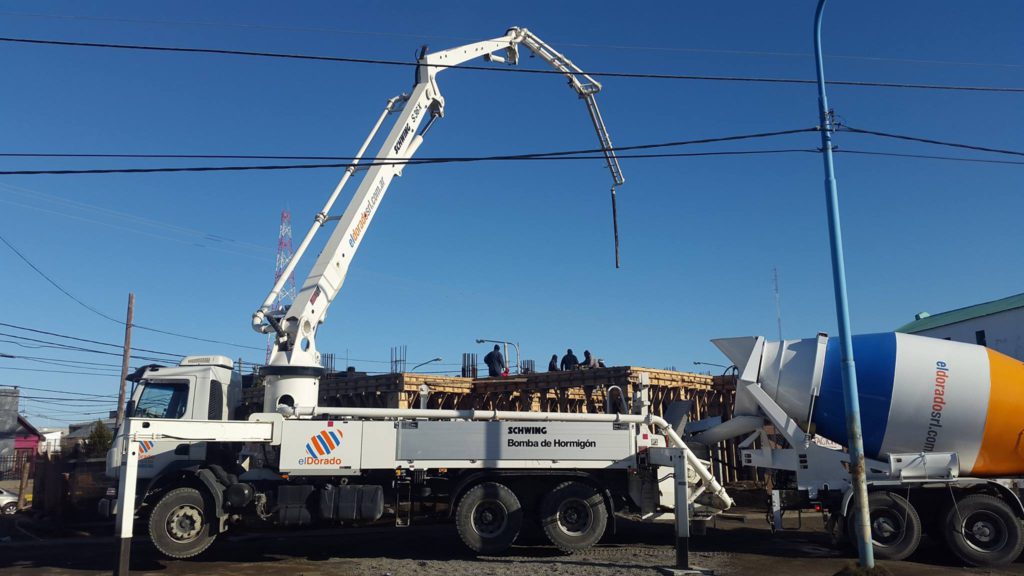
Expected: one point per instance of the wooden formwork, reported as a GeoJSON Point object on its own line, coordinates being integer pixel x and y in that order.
{"type": "Point", "coordinates": [383, 391]}
{"type": "Point", "coordinates": [396, 391]}
{"type": "Point", "coordinates": [586, 390]}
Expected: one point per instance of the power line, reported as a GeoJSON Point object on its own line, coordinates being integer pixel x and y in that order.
{"type": "Point", "coordinates": [48, 408]}
{"type": "Point", "coordinates": [3, 393]}
{"type": "Point", "coordinates": [275, 167]}
{"type": "Point", "coordinates": [561, 158]}
{"type": "Point", "coordinates": [242, 25]}
{"type": "Point", "coordinates": [51, 281]}
{"type": "Point", "coordinates": [121, 322]}
{"type": "Point", "coordinates": [650, 76]}
{"type": "Point", "coordinates": [926, 156]}
{"type": "Point", "coordinates": [78, 210]}
{"type": "Point", "coordinates": [931, 141]}
{"type": "Point", "coordinates": [58, 335]}
{"type": "Point", "coordinates": [64, 392]}
{"type": "Point", "coordinates": [429, 159]}
{"type": "Point", "coordinates": [56, 371]}
{"type": "Point", "coordinates": [582, 154]}
{"type": "Point", "coordinates": [59, 346]}
{"type": "Point", "coordinates": [66, 361]}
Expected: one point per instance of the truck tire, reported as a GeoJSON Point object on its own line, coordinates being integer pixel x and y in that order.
{"type": "Point", "coordinates": [573, 516]}
{"type": "Point", "coordinates": [895, 526]}
{"type": "Point", "coordinates": [982, 530]}
{"type": "Point", "coordinates": [488, 518]}
{"type": "Point", "coordinates": [179, 524]}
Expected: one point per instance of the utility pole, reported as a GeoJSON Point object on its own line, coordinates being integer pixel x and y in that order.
{"type": "Point", "coordinates": [854, 432]}
{"type": "Point", "coordinates": [125, 357]}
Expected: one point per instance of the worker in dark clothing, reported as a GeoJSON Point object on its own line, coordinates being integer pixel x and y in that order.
{"type": "Point", "coordinates": [570, 361]}
{"type": "Point", "coordinates": [553, 365]}
{"type": "Point", "coordinates": [495, 362]}
{"type": "Point", "coordinates": [589, 361]}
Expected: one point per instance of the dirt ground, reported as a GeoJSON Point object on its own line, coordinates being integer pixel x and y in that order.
{"type": "Point", "coordinates": [730, 547]}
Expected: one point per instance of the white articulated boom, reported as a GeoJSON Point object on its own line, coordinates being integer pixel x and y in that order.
{"type": "Point", "coordinates": [294, 368]}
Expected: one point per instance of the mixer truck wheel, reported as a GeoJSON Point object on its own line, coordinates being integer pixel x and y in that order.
{"type": "Point", "coordinates": [574, 516]}
{"type": "Point", "coordinates": [179, 525]}
{"type": "Point", "coordinates": [982, 530]}
{"type": "Point", "coordinates": [488, 518]}
{"type": "Point", "coordinates": [895, 526]}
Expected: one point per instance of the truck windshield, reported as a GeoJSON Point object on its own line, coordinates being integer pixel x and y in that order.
{"type": "Point", "coordinates": [162, 400]}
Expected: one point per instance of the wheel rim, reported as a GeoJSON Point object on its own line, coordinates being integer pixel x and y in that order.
{"type": "Point", "coordinates": [887, 528]}
{"type": "Point", "coordinates": [984, 531]}
{"type": "Point", "coordinates": [184, 523]}
{"type": "Point", "coordinates": [575, 517]}
{"type": "Point", "coordinates": [490, 518]}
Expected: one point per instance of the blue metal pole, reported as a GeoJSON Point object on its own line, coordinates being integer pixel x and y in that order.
{"type": "Point", "coordinates": [853, 427]}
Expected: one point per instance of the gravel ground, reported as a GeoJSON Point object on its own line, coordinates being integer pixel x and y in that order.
{"type": "Point", "coordinates": [730, 548]}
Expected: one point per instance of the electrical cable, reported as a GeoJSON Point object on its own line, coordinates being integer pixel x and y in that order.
{"type": "Point", "coordinates": [558, 155]}
{"type": "Point", "coordinates": [9, 395]}
{"type": "Point", "coordinates": [58, 335]}
{"type": "Point", "coordinates": [432, 159]}
{"type": "Point", "coordinates": [845, 128]}
{"type": "Point", "coordinates": [250, 26]}
{"type": "Point", "coordinates": [274, 167]}
{"type": "Point", "coordinates": [64, 391]}
{"type": "Point", "coordinates": [121, 322]}
{"type": "Point", "coordinates": [926, 156]}
{"type": "Point", "coordinates": [71, 364]}
{"type": "Point", "coordinates": [89, 350]}
{"type": "Point", "coordinates": [454, 160]}
{"type": "Point", "coordinates": [53, 371]}
{"type": "Point", "coordinates": [764, 80]}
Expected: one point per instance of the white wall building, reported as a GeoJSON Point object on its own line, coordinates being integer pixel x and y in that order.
{"type": "Point", "coordinates": [998, 324]}
{"type": "Point", "coordinates": [51, 441]}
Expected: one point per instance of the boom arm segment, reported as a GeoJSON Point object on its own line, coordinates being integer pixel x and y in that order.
{"type": "Point", "coordinates": [296, 330]}
{"type": "Point", "coordinates": [295, 343]}
{"type": "Point", "coordinates": [584, 85]}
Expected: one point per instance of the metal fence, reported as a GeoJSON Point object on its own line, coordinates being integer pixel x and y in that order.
{"type": "Point", "coordinates": [11, 466]}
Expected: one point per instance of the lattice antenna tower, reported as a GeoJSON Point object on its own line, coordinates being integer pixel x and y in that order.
{"type": "Point", "coordinates": [284, 254]}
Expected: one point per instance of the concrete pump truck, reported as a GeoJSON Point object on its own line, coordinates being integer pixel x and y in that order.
{"type": "Point", "coordinates": [189, 470]}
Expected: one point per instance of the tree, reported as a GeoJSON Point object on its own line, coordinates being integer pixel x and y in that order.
{"type": "Point", "coordinates": [99, 441]}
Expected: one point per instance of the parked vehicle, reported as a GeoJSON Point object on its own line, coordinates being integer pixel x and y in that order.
{"type": "Point", "coordinates": [8, 501]}
{"type": "Point", "coordinates": [942, 422]}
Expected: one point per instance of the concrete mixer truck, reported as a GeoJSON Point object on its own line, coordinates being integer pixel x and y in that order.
{"type": "Point", "coordinates": [943, 426]}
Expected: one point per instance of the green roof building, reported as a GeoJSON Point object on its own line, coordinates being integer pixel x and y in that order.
{"type": "Point", "coordinates": [998, 324]}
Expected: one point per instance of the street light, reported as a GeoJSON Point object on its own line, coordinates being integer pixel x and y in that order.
{"type": "Point", "coordinates": [438, 359]}
{"type": "Point", "coordinates": [506, 343]}
{"type": "Point", "coordinates": [696, 363]}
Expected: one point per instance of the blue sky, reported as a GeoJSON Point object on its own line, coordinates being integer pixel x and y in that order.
{"type": "Point", "coordinates": [518, 251]}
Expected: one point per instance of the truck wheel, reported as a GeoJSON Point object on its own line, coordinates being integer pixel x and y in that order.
{"type": "Point", "coordinates": [895, 526]}
{"type": "Point", "coordinates": [574, 516]}
{"type": "Point", "coordinates": [488, 518]}
{"type": "Point", "coordinates": [179, 525]}
{"type": "Point", "coordinates": [982, 530]}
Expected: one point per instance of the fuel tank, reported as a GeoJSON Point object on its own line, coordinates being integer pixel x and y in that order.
{"type": "Point", "coordinates": [917, 394]}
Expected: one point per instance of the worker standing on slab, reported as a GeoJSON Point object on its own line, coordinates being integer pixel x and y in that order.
{"type": "Point", "coordinates": [553, 364]}
{"type": "Point", "coordinates": [570, 361]}
{"type": "Point", "coordinates": [495, 362]}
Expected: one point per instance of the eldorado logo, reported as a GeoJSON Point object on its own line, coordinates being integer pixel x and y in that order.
{"type": "Point", "coordinates": [144, 448]}
{"type": "Point", "coordinates": [320, 446]}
